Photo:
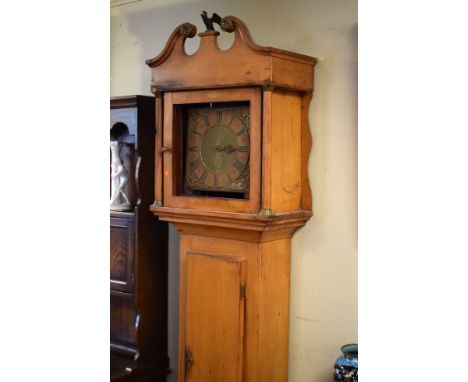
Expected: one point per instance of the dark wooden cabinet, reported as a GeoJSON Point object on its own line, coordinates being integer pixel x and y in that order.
{"type": "Point", "coordinates": [138, 248]}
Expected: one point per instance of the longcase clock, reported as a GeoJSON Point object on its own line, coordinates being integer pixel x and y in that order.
{"type": "Point", "coordinates": [232, 147]}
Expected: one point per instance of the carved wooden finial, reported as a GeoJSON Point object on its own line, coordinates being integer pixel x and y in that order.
{"type": "Point", "coordinates": [227, 25]}
{"type": "Point", "coordinates": [208, 21]}
{"type": "Point", "coordinates": [188, 30]}
{"type": "Point", "coordinates": [224, 22]}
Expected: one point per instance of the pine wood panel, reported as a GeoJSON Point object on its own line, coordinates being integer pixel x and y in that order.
{"type": "Point", "coordinates": [289, 73]}
{"type": "Point", "coordinates": [214, 331]}
{"type": "Point", "coordinates": [285, 151]}
{"type": "Point", "coordinates": [273, 311]}
{"type": "Point", "coordinates": [306, 147]}
{"type": "Point", "coordinates": [266, 149]}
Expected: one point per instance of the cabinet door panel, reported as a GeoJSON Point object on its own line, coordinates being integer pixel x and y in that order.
{"type": "Point", "coordinates": [121, 254]}
{"type": "Point", "coordinates": [123, 319]}
{"type": "Point", "coordinates": [214, 318]}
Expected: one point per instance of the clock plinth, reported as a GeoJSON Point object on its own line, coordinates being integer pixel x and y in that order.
{"type": "Point", "coordinates": [231, 174]}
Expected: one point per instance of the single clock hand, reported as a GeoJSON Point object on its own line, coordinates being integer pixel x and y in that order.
{"type": "Point", "coordinates": [228, 149]}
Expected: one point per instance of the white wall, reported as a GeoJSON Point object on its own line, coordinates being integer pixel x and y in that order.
{"type": "Point", "coordinates": [323, 313]}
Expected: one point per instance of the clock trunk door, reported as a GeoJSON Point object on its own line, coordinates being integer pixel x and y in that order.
{"type": "Point", "coordinates": [214, 318]}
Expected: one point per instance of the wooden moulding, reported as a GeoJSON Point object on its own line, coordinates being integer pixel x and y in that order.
{"type": "Point", "coordinates": [238, 226]}
{"type": "Point", "coordinates": [247, 63]}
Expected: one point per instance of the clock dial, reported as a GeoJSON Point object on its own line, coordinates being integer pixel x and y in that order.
{"type": "Point", "coordinates": [217, 149]}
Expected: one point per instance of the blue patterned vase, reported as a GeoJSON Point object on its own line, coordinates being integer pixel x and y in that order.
{"type": "Point", "coordinates": [346, 366]}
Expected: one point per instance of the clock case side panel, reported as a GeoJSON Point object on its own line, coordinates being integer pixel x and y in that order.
{"type": "Point", "coordinates": [286, 145]}
{"type": "Point", "coordinates": [172, 147]}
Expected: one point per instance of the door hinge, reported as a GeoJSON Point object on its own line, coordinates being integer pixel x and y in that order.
{"type": "Point", "coordinates": [242, 291]}
{"type": "Point", "coordinates": [188, 360]}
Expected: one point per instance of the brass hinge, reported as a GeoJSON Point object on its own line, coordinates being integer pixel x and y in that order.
{"type": "Point", "coordinates": [242, 291]}
{"type": "Point", "coordinates": [188, 360]}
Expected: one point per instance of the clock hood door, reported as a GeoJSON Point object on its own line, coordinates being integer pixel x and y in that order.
{"type": "Point", "coordinates": [212, 150]}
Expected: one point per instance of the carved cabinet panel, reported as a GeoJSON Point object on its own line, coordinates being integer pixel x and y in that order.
{"type": "Point", "coordinates": [122, 235]}
{"type": "Point", "coordinates": [122, 323]}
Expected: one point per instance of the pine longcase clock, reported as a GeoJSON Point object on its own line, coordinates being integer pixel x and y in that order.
{"type": "Point", "coordinates": [232, 146]}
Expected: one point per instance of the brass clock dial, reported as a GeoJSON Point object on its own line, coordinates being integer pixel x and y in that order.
{"type": "Point", "coordinates": [217, 149]}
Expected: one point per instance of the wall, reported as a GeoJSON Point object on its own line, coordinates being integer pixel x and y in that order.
{"type": "Point", "coordinates": [323, 313]}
